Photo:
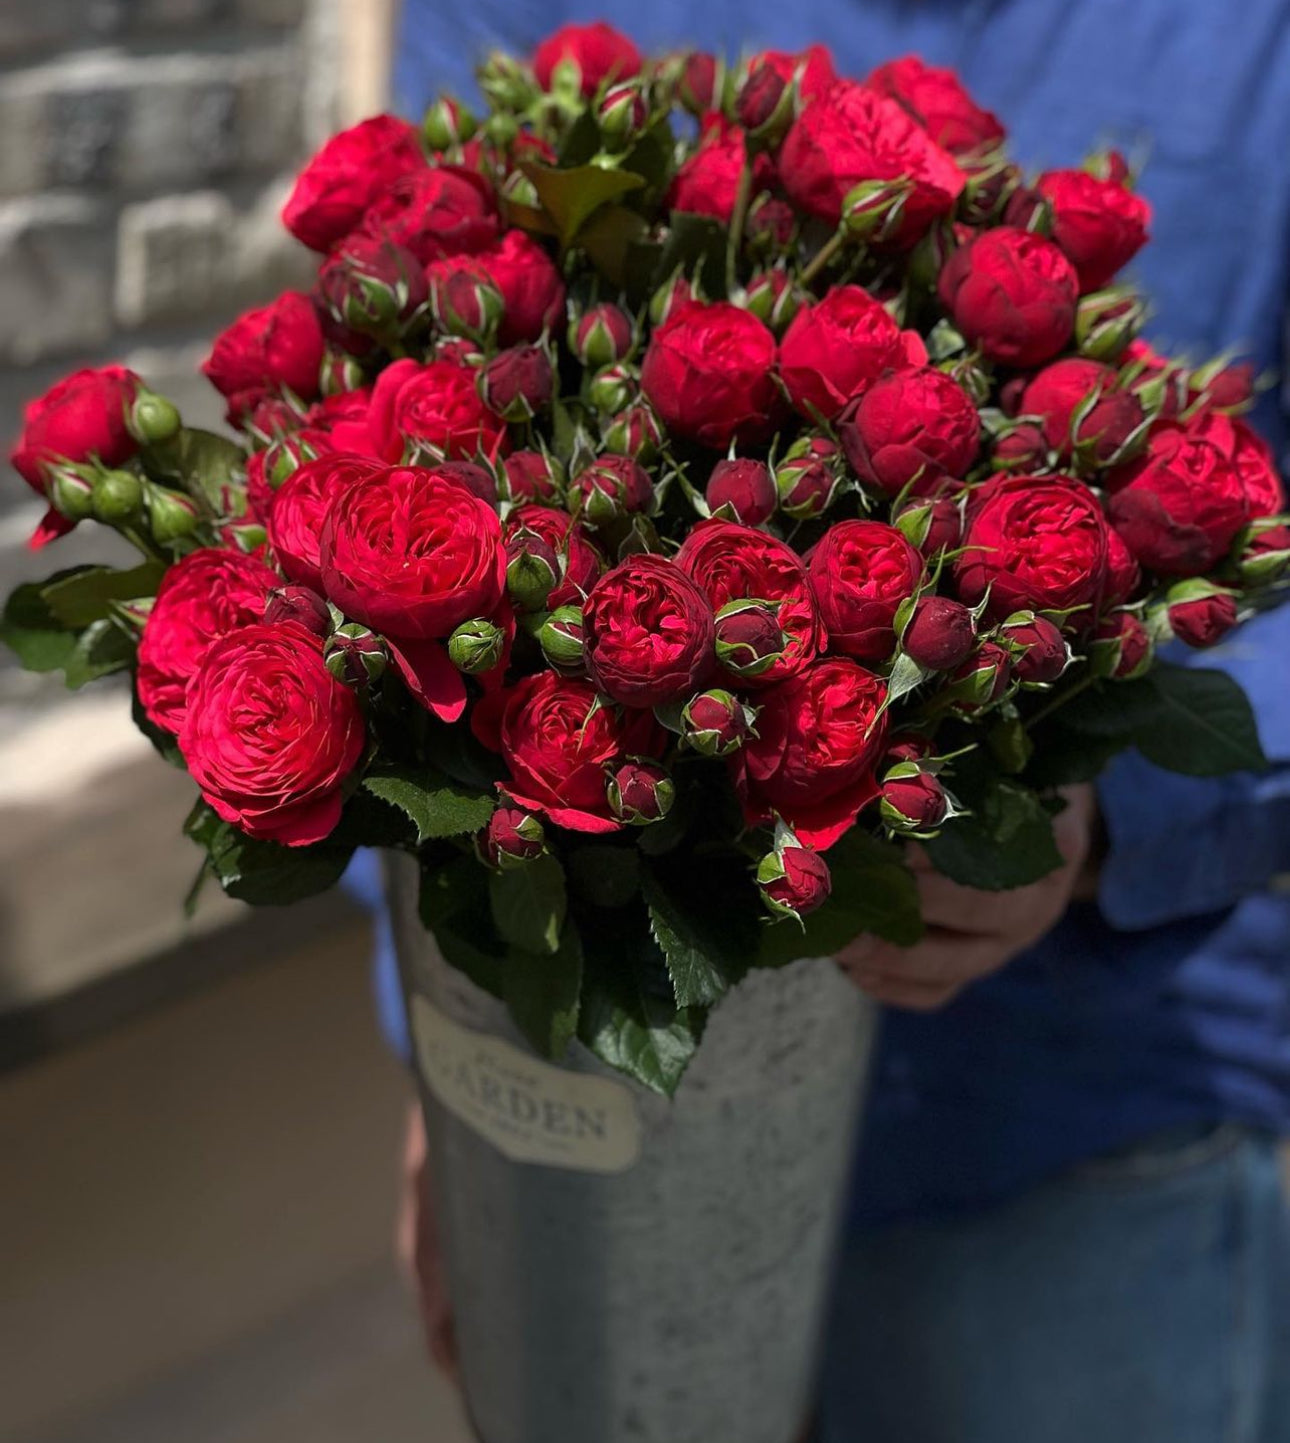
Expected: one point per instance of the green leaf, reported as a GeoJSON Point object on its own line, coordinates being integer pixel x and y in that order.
{"type": "Point", "coordinates": [873, 892]}
{"type": "Point", "coordinates": [86, 597]}
{"type": "Point", "coordinates": [628, 1017]}
{"type": "Point", "coordinates": [529, 904]}
{"type": "Point", "coordinates": [33, 633]}
{"type": "Point", "coordinates": [1005, 840]}
{"type": "Point", "coordinates": [264, 874]}
{"type": "Point", "coordinates": [1203, 726]}
{"type": "Point", "coordinates": [704, 919]}
{"type": "Point", "coordinates": [570, 197]}
{"type": "Point", "coordinates": [454, 906]}
{"type": "Point", "coordinates": [103, 648]}
{"type": "Point", "coordinates": [604, 875]}
{"type": "Point", "coordinates": [436, 805]}
{"type": "Point", "coordinates": [608, 238]}
{"type": "Point", "coordinates": [542, 993]}
{"type": "Point", "coordinates": [1064, 757]}
{"type": "Point", "coordinates": [200, 462]}
{"type": "Point", "coordinates": [696, 244]}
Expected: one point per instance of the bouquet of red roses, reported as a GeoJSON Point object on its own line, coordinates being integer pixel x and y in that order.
{"type": "Point", "coordinates": [680, 488]}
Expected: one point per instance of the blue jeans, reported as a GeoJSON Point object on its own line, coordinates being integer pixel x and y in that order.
{"type": "Point", "coordinates": [1143, 1298]}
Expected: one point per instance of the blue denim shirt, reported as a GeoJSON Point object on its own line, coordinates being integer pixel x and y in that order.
{"type": "Point", "coordinates": [1169, 1001]}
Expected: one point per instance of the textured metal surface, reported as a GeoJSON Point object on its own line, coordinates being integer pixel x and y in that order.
{"type": "Point", "coordinates": [679, 1301]}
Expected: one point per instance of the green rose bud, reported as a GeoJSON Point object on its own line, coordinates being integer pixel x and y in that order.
{"type": "Point", "coordinates": [561, 639]}
{"type": "Point", "coordinates": [152, 418]}
{"type": "Point", "coordinates": [476, 646]}
{"type": "Point", "coordinates": [117, 498]}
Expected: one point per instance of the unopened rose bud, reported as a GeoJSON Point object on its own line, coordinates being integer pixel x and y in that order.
{"type": "Point", "coordinates": [622, 113]}
{"type": "Point", "coordinates": [531, 476]}
{"type": "Point", "coordinates": [771, 297]}
{"type": "Point", "coordinates": [669, 298]}
{"type": "Point", "coordinates": [1265, 555]}
{"type": "Point", "coordinates": [355, 654]}
{"type": "Point", "coordinates": [339, 374]}
{"type": "Point", "coordinates": [301, 607]}
{"type": "Point", "coordinates": [517, 384]}
{"type": "Point", "coordinates": [1224, 385]}
{"type": "Point", "coordinates": [373, 286]}
{"type": "Point", "coordinates": [700, 82]}
{"type": "Point", "coordinates": [518, 189]}
{"type": "Point", "coordinates": [465, 304]}
{"type": "Point", "coordinates": [928, 257]}
{"type": "Point", "coordinates": [447, 122]}
{"type": "Point", "coordinates": [907, 747]}
{"type": "Point", "coordinates": [940, 634]}
{"type": "Point", "coordinates": [71, 491]}
{"type": "Point", "coordinates": [793, 881]}
{"type": "Point", "coordinates": [508, 83]}
{"type": "Point", "coordinates": [1200, 613]}
{"type": "Point", "coordinates": [512, 838]}
{"type": "Point", "coordinates": [971, 375]}
{"type": "Point", "coordinates": [152, 419]}
{"type": "Point", "coordinates": [749, 638]}
{"type": "Point", "coordinates": [116, 498]}
{"type": "Point", "coordinates": [1121, 647]}
{"type": "Point", "coordinates": [640, 792]}
{"type": "Point", "coordinates": [477, 479]}
{"type": "Point", "coordinates": [743, 490]}
{"type": "Point", "coordinates": [602, 335]}
{"type": "Point", "coordinates": [1029, 209]}
{"type": "Point", "coordinates": [1019, 448]}
{"type": "Point", "coordinates": [806, 486]}
{"type": "Point", "coordinates": [1039, 650]}
{"type": "Point", "coordinates": [501, 131]}
{"type": "Point", "coordinates": [476, 646]}
{"type": "Point", "coordinates": [610, 488]}
{"type": "Point", "coordinates": [771, 227]}
{"type": "Point", "coordinates": [171, 516]}
{"type": "Point", "coordinates": [913, 801]}
{"type": "Point", "coordinates": [715, 723]}
{"type": "Point", "coordinates": [614, 387]}
{"type": "Point", "coordinates": [635, 432]}
{"type": "Point", "coordinates": [933, 524]}
{"type": "Point", "coordinates": [1106, 321]}
{"type": "Point", "coordinates": [1108, 164]}
{"type": "Point", "coordinates": [561, 639]}
{"type": "Point", "coordinates": [982, 680]}
{"type": "Point", "coordinates": [991, 179]}
{"type": "Point", "coordinates": [764, 106]}
{"type": "Point", "coordinates": [285, 456]}
{"type": "Point", "coordinates": [873, 209]}
{"type": "Point", "coordinates": [532, 569]}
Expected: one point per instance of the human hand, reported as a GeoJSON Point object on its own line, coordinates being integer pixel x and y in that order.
{"type": "Point", "coordinates": [417, 1247]}
{"type": "Point", "coordinates": [970, 934]}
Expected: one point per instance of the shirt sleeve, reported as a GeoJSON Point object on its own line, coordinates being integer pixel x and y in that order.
{"type": "Point", "coordinates": [1187, 846]}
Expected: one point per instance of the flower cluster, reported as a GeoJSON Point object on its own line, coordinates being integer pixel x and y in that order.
{"type": "Point", "coordinates": [677, 430]}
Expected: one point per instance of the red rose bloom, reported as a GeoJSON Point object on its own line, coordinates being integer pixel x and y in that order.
{"type": "Point", "coordinates": [1123, 574]}
{"type": "Point", "coordinates": [860, 573]}
{"type": "Point", "coordinates": [916, 427]}
{"type": "Point", "coordinates": [1061, 391]}
{"type": "Point", "coordinates": [834, 348]}
{"type": "Point", "coordinates": [1180, 507]}
{"type": "Point", "coordinates": [937, 100]}
{"type": "Point", "coordinates": [580, 561]}
{"type": "Point", "coordinates": [813, 67]}
{"type": "Point", "coordinates": [297, 509]}
{"type": "Point", "coordinates": [204, 596]}
{"type": "Point", "coordinates": [351, 171]}
{"type": "Point", "coordinates": [1100, 224]}
{"type": "Point", "coordinates": [737, 563]}
{"type": "Point", "coordinates": [707, 182]}
{"type": "Point", "coordinates": [1013, 294]}
{"type": "Point", "coordinates": [557, 742]}
{"type": "Point", "coordinates": [532, 291]}
{"type": "Point", "coordinates": [81, 418]}
{"type": "Point", "coordinates": [599, 52]}
{"type": "Point", "coordinates": [709, 374]}
{"type": "Point", "coordinates": [432, 410]}
{"type": "Point", "coordinates": [271, 735]}
{"type": "Point", "coordinates": [278, 347]}
{"type": "Point", "coordinates": [1036, 544]}
{"type": "Point", "coordinates": [443, 210]}
{"type": "Point", "coordinates": [649, 633]}
{"type": "Point", "coordinates": [819, 736]}
{"type": "Point", "coordinates": [1250, 454]}
{"type": "Point", "coordinates": [850, 133]}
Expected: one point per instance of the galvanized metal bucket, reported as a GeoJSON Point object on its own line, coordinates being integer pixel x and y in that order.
{"type": "Point", "coordinates": [624, 1268]}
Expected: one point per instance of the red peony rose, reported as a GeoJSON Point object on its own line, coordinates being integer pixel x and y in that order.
{"type": "Point", "coordinates": [1013, 294]}
{"type": "Point", "coordinates": [579, 560]}
{"type": "Point", "coordinates": [271, 736]}
{"type": "Point", "coordinates": [1035, 544]}
{"type": "Point", "coordinates": [530, 285]}
{"type": "Point", "coordinates": [347, 175]}
{"type": "Point", "coordinates": [849, 134]}
{"type": "Point", "coordinates": [707, 182]}
{"type": "Point", "coordinates": [709, 374]}
{"type": "Point", "coordinates": [1250, 454]}
{"type": "Point", "coordinates": [649, 633]}
{"type": "Point", "coordinates": [297, 509]}
{"type": "Point", "coordinates": [442, 210]}
{"type": "Point", "coordinates": [206, 595]}
{"type": "Point", "coordinates": [938, 101]}
{"type": "Point", "coordinates": [813, 68]}
{"type": "Point", "coordinates": [737, 563]}
{"type": "Point", "coordinates": [1083, 409]}
{"type": "Point", "coordinates": [278, 347]}
{"type": "Point", "coordinates": [557, 737]}
{"type": "Point", "coordinates": [433, 411]}
{"type": "Point", "coordinates": [740, 489]}
{"type": "Point", "coordinates": [1100, 224]}
{"type": "Point", "coordinates": [836, 347]}
{"type": "Point", "coordinates": [1180, 507]}
{"type": "Point", "coordinates": [860, 573]}
{"type": "Point", "coordinates": [819, 736]}
{"type": "Point", "coordinates": [914, 428]}
{"type": "Point", "coordinates": [598, 52]}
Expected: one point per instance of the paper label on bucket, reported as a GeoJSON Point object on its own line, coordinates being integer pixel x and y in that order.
{"type": "Point", "coordinates": [529, 1110]}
